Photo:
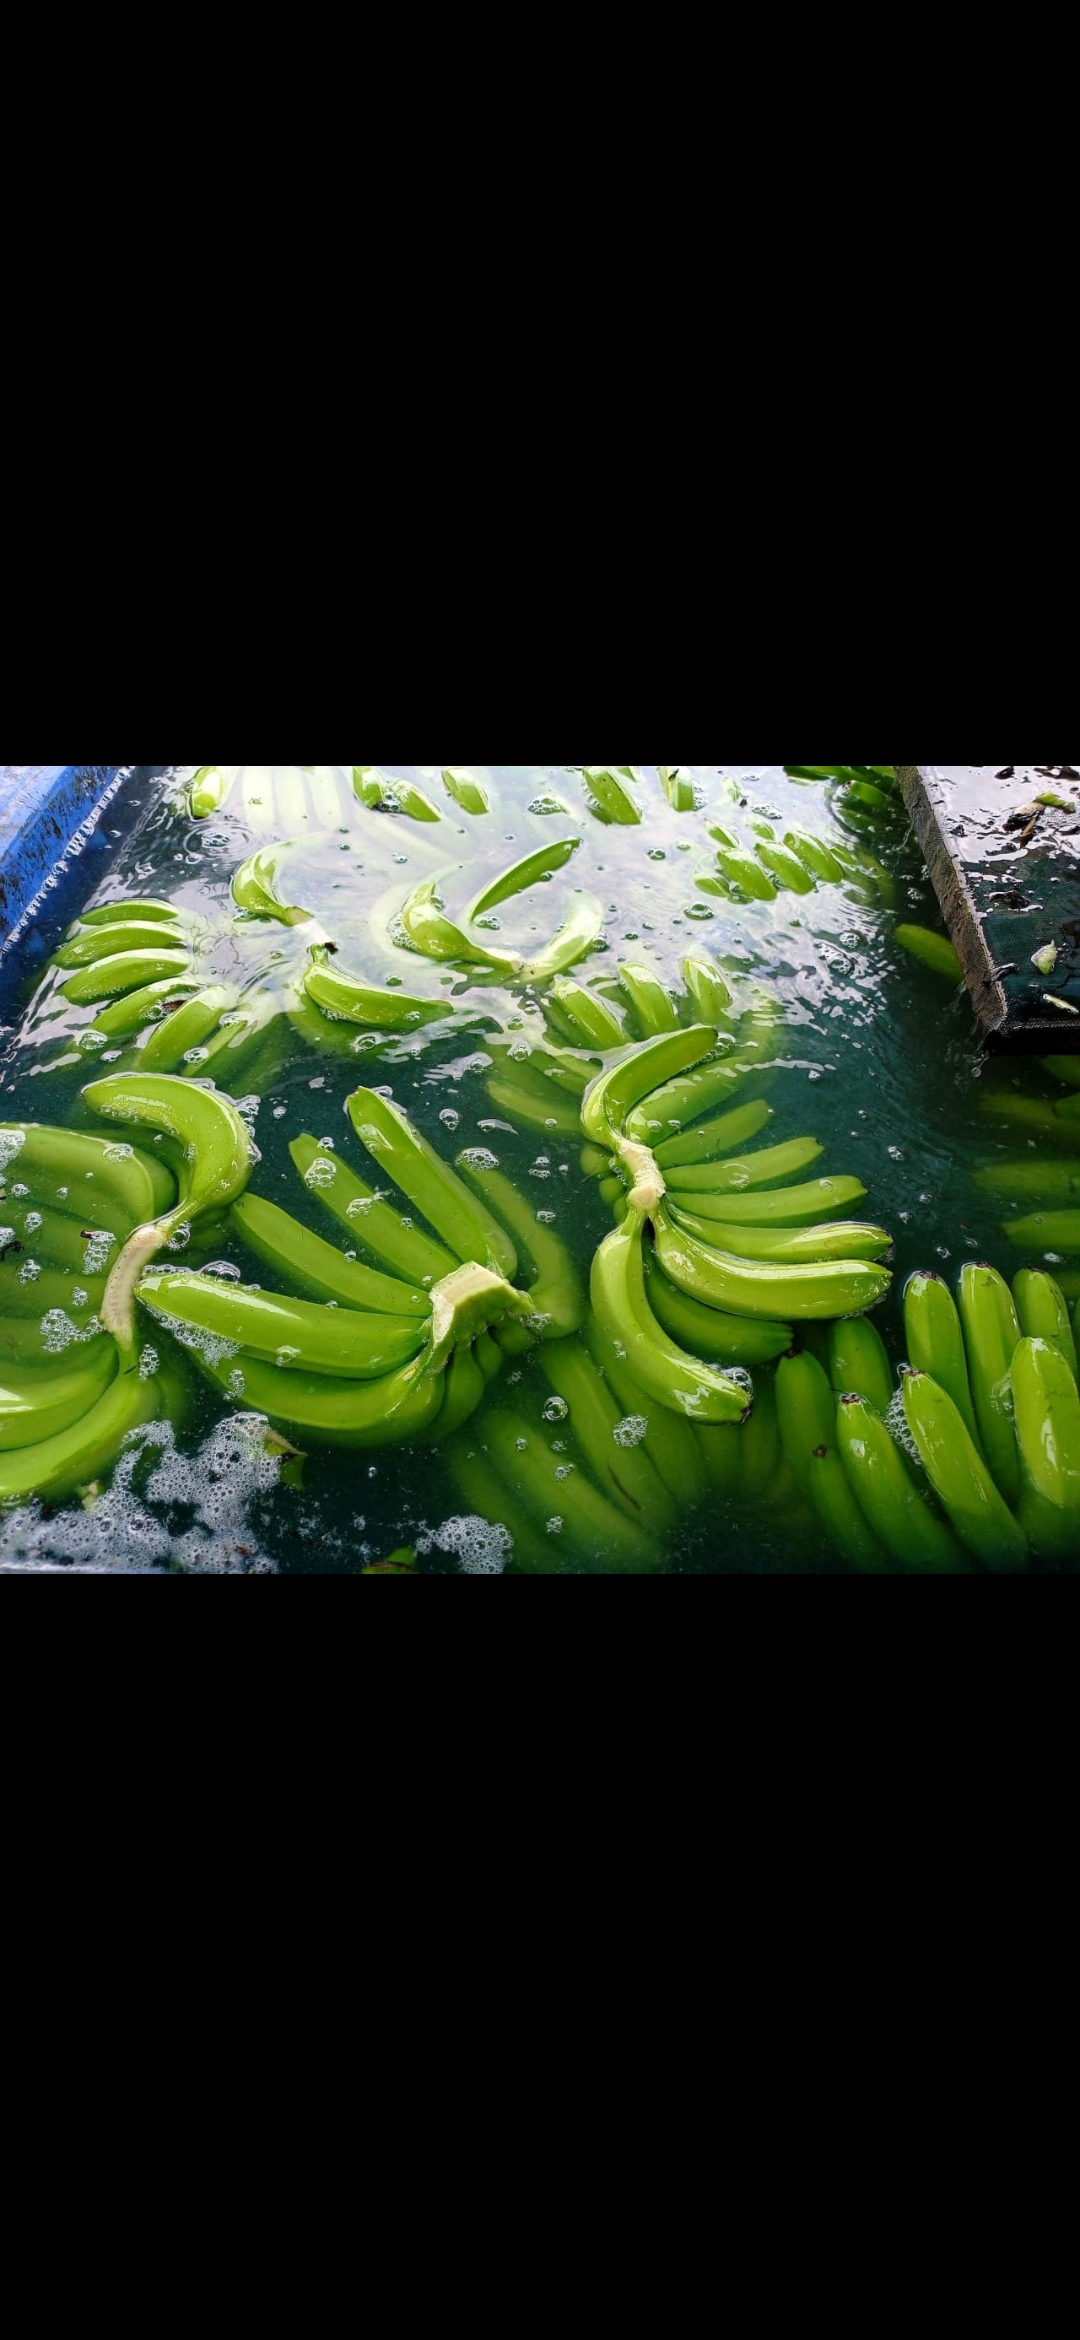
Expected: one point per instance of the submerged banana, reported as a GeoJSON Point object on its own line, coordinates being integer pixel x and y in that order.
{"type": "Point", "coordinates": [218, 1159]}
{"type": "Point", "coordinates": [891, 1503]}
{"type": "Point", "coordinates": [464, 1223]}
{"type": "Point", "coordinates": [959, 1476]}
{"type": "Point", "coordinates": [1048, 1433]}
{"type": "Point", "coordinates": [722, 1280]}
{"type": "Point", "coordinates": [669, 1374]}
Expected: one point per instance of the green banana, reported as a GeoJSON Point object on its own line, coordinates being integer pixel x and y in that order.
{"type": "Point", "coordinates": [130, 1176]}
{"type": "Point", "coordinates": [959, 1476]}
{"type": "Point", "coordinates": [373, 1224]}
{"type": "Point", "coordinates": [841, 1516]}
{"type": "Point", "coordinates": [431, 933]}
{"type": "Point", "coordinates": [320, 1272]}
{"type": "Point", "coordinates": [119, 913]}
{"type": "Point", "coordinates": [188, 1027]}
{"type": "Point", "coordinates": [710, 1139]}
{"type": "Point", "coordinates": [106, 942]}
{"type": "Point", "coordinates": [41, 1340]}
{"type": "Point", "coordinates": [652, 1005]}
{"type": "Point", "coordinates": [1048, 1433]}
{"type": "Point", "coordinates": [64, 1242]}
{"type": "Point", "coordinates": [806, 1408]}
{"type": "Point", "coordinates": [573, 942]}
{"type": "Point", "coordinates": [666, 1372]}
{"type": "Point", "coordinates": [1047, 1184]}
{"type": "Point", "coordinates": [218, 1149]}
{"type": "Point", "coordinates": [788, 1206]}
{"type": "Point", "coordinates": [489, 1499]}
{"type": "Point", "coordinates": [346, 1000]}
{"type": "Point", "coordinates": [670, 1442]}
{"type": "Point", "coordinates": [489, 1356]}
{"type": "Point", "coordinates": [42, 1401]}
{"type": "Point", "coordinates": [815, 856]}
{"type": "Point", "coordinates": [935, 951]}
{"type": "Point", "coordinates": [721, 1280]}
{"type": "Point", "coordinates": [210, 789]}
{"type": "Point", "coordinates": [255, 890]}
{"type": "Point", "coordinates": [128, 971]}
{"type": "Point", "coordinates": [463, 1391]}
{"type": "Point", "coordinates": [991, 1333]}
{"type": "Point", "coordinates": [598, 1024]}
{"type": "Point", "coordinates": [37, 1295]}
{"type": "Point", "coordinates": [298, 1334]}
{"type": "Point", "coordinates": [552, 1115]}
{"type": "Point", "coordinates": [554, 1286]}
{"type": "Point", "coordinates": [935, 1343]}
{"type": "Point", "coordinates": [706, 989]}
{"type": "Point", "coordinates": [375, 788]}
{"type": "Point", "coordinates": [708, 1332]}
{"type": "Point", "coordinates": [607, 787]}
{"type": "Point", "coordinates": [1043, 1315]}
{"type": "Point", "coordinates": [594, 1528]}
{"type": "Point", "coordinates": [614, 1094]}
{"type": "Point", "coordinates": [532, 870]}
{"type": "Point", "coordinates": [678, 790]}
{"type": "Point", "coordinates": [1063, 1068]}
{"type": "Point", "coordinates": [891, 1504]}
{"type": "Point", "coordinates": [859, 1364]}
{"type": "Point", "coordinates": [56, 1466]}
{"type": "Point", "coordinates": [470, 794]}
{"type": "Point", "coordinates": [740, 869]}
{"type": "Point", "coordinates": [721, 1447]}
{"type": "Point", "coordinates": [336, 1412]}
{"type": "Point", "coordinates": [676, 1102]}
{"type": "Point", "coordinates": [769, 1167]}
{"type": "Point", "coordinates": [785, 867]}
{"type": "Point", "coordinates": [464, 1223]}
{"type": "Point", "coordinates": [1045, 1231]}
{"type": "Point", "coordinates": [622, 1472]}
{"type": "Point", "coordinates": [136, 1008]}
{"type": "Point", "coordinates": [784, 1246]}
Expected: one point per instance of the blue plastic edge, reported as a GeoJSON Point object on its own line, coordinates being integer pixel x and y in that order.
{"type": "Point", "coordinates": [46, 811]}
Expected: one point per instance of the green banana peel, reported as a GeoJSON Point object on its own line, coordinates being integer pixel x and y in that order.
{"type": "Point", "coordinates": [219, 1155]}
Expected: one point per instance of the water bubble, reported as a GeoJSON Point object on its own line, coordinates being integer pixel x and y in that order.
{"type": "Point", "coordinates": [236, 1385]}
{"type": "Point", "coordinates": [478, 1158]}
{"type": "Point", "coordinates": [79, 1298]}
{"type": "Point", "coordinates": [33, 1223]}
{"type": "Point", "coordinates": [322, 1174]}
{"type": "Point", "coordinates": [328, 1145]}
{"type": "Point", "coordinates": [556, 1410]}
{"type": "Point", "coordinates": [364, 1042]}
{"type": "Point", "coordinates": [895, 1154]}
{"type": "Point", "coordinates": [565, 1471]}
{"type": "Point", "coordinates": [520, 1052]}
{"type": "Point", "coordinates": [62, 1193]}
{"type": "Point", "coordinates": [547, 1218]}
{"type": "Point", "coordinates": [196, 1055]}
{"type": "Point", "coordinates": [286, 1356]}
{"type": "Point", "coordinates": [148, 1363]}
{"type": "Point", "coordinates": [449, 1119]}
{"type": "Point", "coordinates": [554, 1527]}
{"type": "Point", "coordinates": [29, 1272]}
{"type": "Point", "coordinates": [632, 1430]}
{"type": "Point", "coordinates": [20, 1193]}
{"type": "Point", "coordinates": [225, 1269]}
{"type": "Point", "coordinates": [119, 1154]}
{"type": "Point", "coordinates": [522, 1445]}
{"type": "Point", "coordinates": [279, 1112]}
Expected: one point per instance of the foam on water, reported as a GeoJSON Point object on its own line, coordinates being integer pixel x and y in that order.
{"type": "Point", "coordinates": [479, 1547]}
{"type": "Point", "coordinates": [164, 1510]}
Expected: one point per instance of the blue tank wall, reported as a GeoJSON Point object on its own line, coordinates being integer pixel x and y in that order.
{"type": "Point", "coordinates": [44, 810]}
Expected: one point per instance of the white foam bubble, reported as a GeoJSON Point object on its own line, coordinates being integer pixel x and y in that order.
{"type": "Point", "coordinates": [631, 1431]}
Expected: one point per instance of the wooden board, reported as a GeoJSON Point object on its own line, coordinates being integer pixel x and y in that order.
{"type": "Point", "coordinates": [1008, 881]}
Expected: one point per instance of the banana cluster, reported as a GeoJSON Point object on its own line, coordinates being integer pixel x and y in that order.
{"type": "Point", "coordinates": [295, 800]}
{"type": "Point", "coordinates": [399, 1344]}
{"type": "Point", "coordinates": [131, 961]}
{"type": "Point", "coordinates": [974, 1461]}
{"type": "Point", "coordinates": [70, 1394]}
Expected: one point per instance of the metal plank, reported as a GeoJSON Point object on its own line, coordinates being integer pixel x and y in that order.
{"type": "Point", "coordinates": [1008, 882]}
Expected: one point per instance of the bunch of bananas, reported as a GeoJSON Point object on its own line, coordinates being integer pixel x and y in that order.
{"type": "Point", "coordinates": [130, 960]}
{"type": "Point", "coordinates": [70, 1394]}
{"type": "Point", "coordinates": [364, 1355]}
{"type": "Point", "coordinates": [975, 1461]}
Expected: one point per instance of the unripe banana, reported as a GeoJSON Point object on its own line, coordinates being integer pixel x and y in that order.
{"type": "Point", "coordinates": [670, 1443]}
{"type": "Point", "coordinates": [806, 1409]}
{"type": "Point", "coordinates": [711, 1139]}
{"type": "Point", "coordinates": [552, 1117]}
{"type": "Point", "coordinates": [595, 1162]}
{"type": "Point", "coordinates": [991, 1333]}
{"type": "Point", "coordinates": [815, 856]}
{"type": "Point", "coordinates": [788, 871]}
{"type": "Point", "coordinates": [460, 1218]}
{"type": "Point", "coordinates": [38, 1402]}
{"type": "Point", "coordinates": [532, 1552]}
{"type": "Point", "coordinates": [1045, 1231]}
{"type": "Point", "coordinates": [128, 971]}
{"type": "Point", "coordinates": [707, 990]}
{"type": "Point", "coordinates": [786, 1246]}
{"type": "Point", "coordinates": [463, 1392]}
{"type": "Point", "coordinates": [136, 1008]}
{"type": "Point", "coordinates": [1043, 1314]}
{"type": "Point", "coordinates": [594, 1527]}
{"type": "Point", "coordinates": [572, 943]}
{"type": "Point", "coordinates": [470, 794]}
{"type": "Point", "coordinates": [554, 1286]}
{"type": "Point", "coordinates": [613, 1095]}
{"type": "Point", "coordinates": [788, 1206]}
{"type": "Point", "coordinates": [532, 870]}
{"type": "Point", "coordinates": [489, 1355]}
{"type": "Point", "coordinates": [132, 1176]}
{"type": "Point", "coordinates": [959, 1476]}
{"type": "Point", "coordinates": [372, 1224]}
{"type": "Point", "coordinates": [668, 1374]}
{"type": "Point", "coordinates": [678, 1102]}
{"type": "Point", "coordinates": [740, 869]}
{"type": "Point", "coordinates": [1049, 1185]}
{"type": "Point", "coordinates": [315, 1268]}
{"type": "Point", "coordinates": [436, 937]}
{"type": "Point", "coordinates": [709, 1332]}
{"type": "Point", "coordinates": [189, 1027]}
{"type": "Point", "coordinates": [721, 1280]}
{"type": "Point", "coordinates": [935, 1342]}
{"type": "Point", "coordinates": [935, 951]}
{"type": "Point", "coordinates": [598, 1024]}
{"type": "Point", "coordinates": [120, 913]}
{"type": "Point", "coordinates": [859, 1364]}
{"type": "Point", "coordinates": [210, 789]}
{"type": "Point", "coordinates": [106, 942]}
{"type": "Point", "coordinates": [26, 1294]}
{"type": "Point", "coordinates": [653, 1007]}
{"type": "Point", "coordinates": [890, 1502]}
{"type": "Point", "coordinates": [1048, 1433]}
{"type": "Point", "coordinates": [721, 1447]}
{"type": "Point", "coordinates": [605, 785]}
{"type": "Point", "coordinates": [336, 1412]}
{"type": "Point", "coordinates": [218, 1147]}
{"type": "Point", "coordinates": [622, 1472]}
{"type": "Point", "coordinates": [842, 1518]}
{"type": "Point", "coordinates": [741, 1174]}
{"type": "Point", "coordinates": [300, 1334]}
{"type": "Point", "coordinates": [347, 1001]}
{"type": "Point", "coordinates": [58, 1465]}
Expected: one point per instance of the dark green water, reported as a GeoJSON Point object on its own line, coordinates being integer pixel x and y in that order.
{"type": "Point", "coordinates": [876, 1057]}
